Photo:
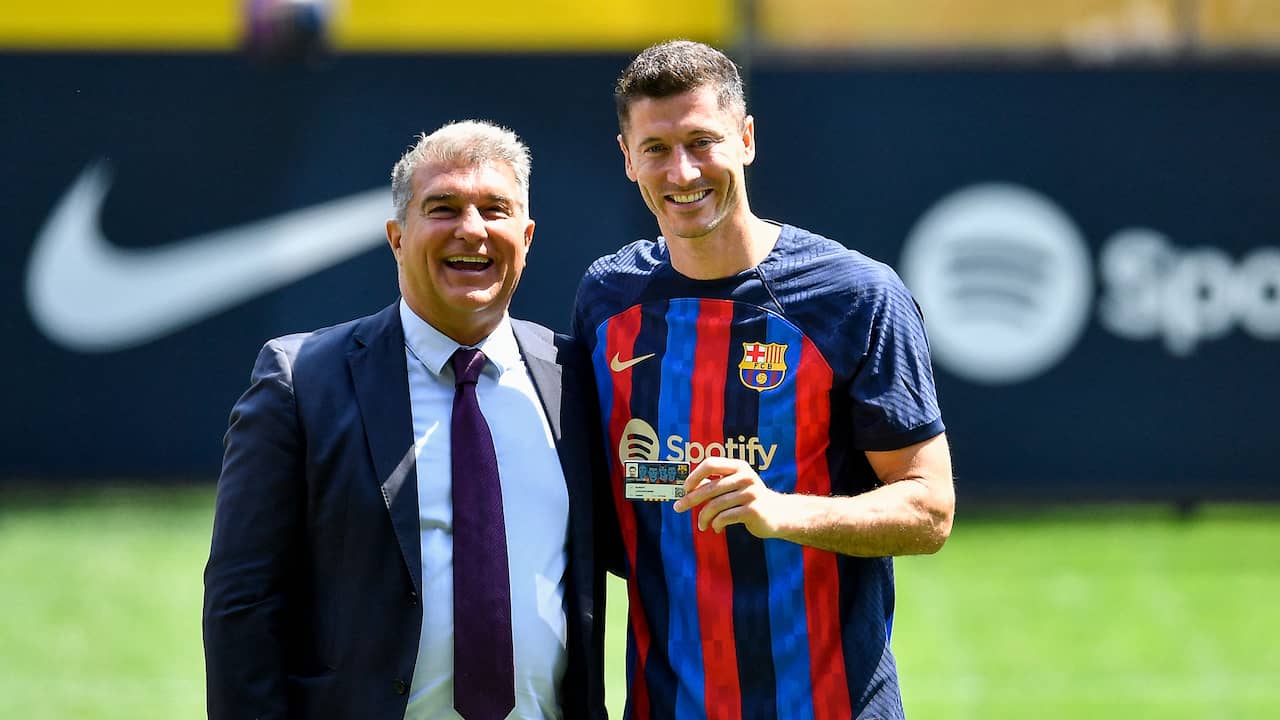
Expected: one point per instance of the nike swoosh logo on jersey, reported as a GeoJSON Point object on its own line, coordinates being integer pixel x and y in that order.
{"type": "Point", "coordinates": [92, 296]}
{"type": "Point", "coordinates": [617, 365]}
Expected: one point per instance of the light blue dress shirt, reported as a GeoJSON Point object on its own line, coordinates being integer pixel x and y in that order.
{"type": "Point", "coordinates": [535, 503]}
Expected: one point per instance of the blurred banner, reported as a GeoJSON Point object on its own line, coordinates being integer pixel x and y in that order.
{"type": "Point", "coordinates": [1097, 252]}
{"type": "Point", "coordinates": [1095, 29]}
{"type": "Point", "coordinates": [376, 25]}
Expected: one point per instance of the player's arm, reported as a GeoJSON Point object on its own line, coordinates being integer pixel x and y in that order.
{"type": "Point", "coordinates": [909, 514]}
{"type": "Point", "coordinates": [257, 521]}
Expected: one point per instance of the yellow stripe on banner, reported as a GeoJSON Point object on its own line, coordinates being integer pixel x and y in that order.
{"type": "Point", "coordinates": [531, 24]}
{"type": "Point", "coordinates": [922, 24]}
{"type": "Point", "coordinates": [369, 25]}
{"type": "Point", "coordinates": [1226, 24]}
{"type": "Point", "coordinates": [119, 24]}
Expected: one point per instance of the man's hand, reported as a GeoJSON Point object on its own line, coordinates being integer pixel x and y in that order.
{"type": "Point", "coordinates": [730, 491]}
{"type": "Point", "coordinates": [909, 514]}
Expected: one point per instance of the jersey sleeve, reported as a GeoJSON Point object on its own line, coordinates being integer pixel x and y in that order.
{"type": "Point", "coordinates": [893, 400]}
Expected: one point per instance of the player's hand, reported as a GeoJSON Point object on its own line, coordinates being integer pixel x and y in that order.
{"type": "Point", "coordinates": [730, 491]}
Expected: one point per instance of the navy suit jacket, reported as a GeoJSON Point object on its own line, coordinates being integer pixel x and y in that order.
{"type": "Point", "coordinates": [313, 585]}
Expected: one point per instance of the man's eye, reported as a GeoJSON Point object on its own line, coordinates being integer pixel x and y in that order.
{"type": "Point", "coordinates": [496, 213]}
{"type": "Point", "coordinates": [440, 211]}
{"type": "Point", "coordinates": [703, 143]}
{"type": "Point", "coordinates": [655, 149]}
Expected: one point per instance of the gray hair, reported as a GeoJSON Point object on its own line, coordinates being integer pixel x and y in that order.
{"type": "Point", "coordinates": [470, 143]}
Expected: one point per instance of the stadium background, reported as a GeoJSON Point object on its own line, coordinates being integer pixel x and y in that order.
{"type": "Point", "coordinates": [1100, 176]}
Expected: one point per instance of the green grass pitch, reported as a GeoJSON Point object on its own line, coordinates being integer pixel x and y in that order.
{"type": "Point", "coordinates": [1094, 612]}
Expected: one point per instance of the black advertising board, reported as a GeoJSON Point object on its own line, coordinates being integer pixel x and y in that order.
{"type": "Point", "coordinates": [1097, 251]}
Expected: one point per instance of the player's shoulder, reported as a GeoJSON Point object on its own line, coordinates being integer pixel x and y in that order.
{"type": "Point", "coordinates": [638, 258]}
{"type": "Point", "coordinates": [614, 281]}
{"type": "Point", "coordinates": [834, 294]}
{"type": "Point", "coordinates": [814, 264]}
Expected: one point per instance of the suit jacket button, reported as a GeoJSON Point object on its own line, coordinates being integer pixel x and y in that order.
{"type": "Point", "coordinates": [399, 686]}
{"type": "Point", "coordinates": [413, 598]}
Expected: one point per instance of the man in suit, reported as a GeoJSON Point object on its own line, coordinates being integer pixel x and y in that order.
{"type": "Point", "coordinates": [356, 477]}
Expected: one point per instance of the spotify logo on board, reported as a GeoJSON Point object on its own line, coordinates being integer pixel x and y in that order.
{"type": "Point", "coordinates": [1004, 279]}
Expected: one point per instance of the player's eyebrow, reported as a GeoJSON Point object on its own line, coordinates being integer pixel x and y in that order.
{"type": "Point", "coordinates": [694, 132]}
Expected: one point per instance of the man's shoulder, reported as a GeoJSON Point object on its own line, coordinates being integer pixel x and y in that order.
{"type": "Point", "coordinates": [334, 340]}
{"type": "Point", "coordinates": [834, 294]}
{"type": "Point", "coordinates": [531, 329]}
{"type": "Point", "coordinates": [817, 258]}
{"type": "Point", "coordinates": [543, 342]}
{"type": "Point", "coordinates": [535, 338]}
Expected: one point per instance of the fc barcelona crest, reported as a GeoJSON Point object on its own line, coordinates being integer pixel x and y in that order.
{"type": "Point", "coordinates": [763, 365]}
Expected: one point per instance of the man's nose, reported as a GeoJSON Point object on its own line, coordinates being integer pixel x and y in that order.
{"type": "Point", "coordinates": [684, 168]}
{"type": "Point", "coordinates": [471, 224]}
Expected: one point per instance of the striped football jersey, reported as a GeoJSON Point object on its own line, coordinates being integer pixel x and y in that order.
{"type": "Point", "coordinates": [796, 366]}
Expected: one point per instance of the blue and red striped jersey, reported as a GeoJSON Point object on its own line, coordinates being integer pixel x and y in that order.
{"type": "Point", "coordinates": [796, 366]}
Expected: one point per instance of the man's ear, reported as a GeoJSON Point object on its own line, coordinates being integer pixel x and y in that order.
{"type": "Point", "coordinates": [393, 237]}
{"type": "Point", "coordinates": [626, 158]}
{"type": "Point", "coordinates": [749, 140]}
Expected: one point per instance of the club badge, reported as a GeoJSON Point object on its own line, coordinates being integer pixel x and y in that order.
{"type": "Point", "coordinates": [763, 365]}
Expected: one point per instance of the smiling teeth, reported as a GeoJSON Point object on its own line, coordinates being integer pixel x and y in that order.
{"type": "Point", "coordinates": [467, 258]}
{"type": "Point", "coordinates": [691, 197]}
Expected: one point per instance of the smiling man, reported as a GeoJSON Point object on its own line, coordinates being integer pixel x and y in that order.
{"type": "Point", "coordinates": [403, 525]}
{"type": "Point", "coordinates": [789, 378]}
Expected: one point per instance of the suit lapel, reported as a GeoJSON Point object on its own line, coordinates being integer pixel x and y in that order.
{"type": "Point", "coordinates": [539, 356]}
{"type": "Point", "coordinates": [381, 381]}
{"type": "Point", "coordinates": [546, 368]}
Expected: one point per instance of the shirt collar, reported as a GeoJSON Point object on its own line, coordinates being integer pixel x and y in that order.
{"type": "Point", "coordinates": [433, 348]}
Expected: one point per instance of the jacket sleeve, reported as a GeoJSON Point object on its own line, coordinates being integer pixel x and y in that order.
{"type": "Point", "coordinates": [258, 521]}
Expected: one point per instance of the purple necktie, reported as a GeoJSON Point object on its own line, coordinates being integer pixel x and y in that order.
{"type": "Point", "coordinates": [484, 685]}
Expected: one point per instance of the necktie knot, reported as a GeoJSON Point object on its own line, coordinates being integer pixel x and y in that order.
{"type": "Point", "coordinates": [467, 364]}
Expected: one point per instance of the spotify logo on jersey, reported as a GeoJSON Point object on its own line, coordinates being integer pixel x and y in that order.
{"type": "Point", "coordinates": [1004, 279]}
{"type": "Point", "coordinates": [639, 441]}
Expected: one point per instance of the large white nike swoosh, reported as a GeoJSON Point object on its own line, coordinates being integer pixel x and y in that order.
{"type": "Point", "coordinates": [89, 295]}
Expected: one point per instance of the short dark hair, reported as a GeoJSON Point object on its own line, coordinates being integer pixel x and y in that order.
{"type": "Point", "coordinates": [678, 66]}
